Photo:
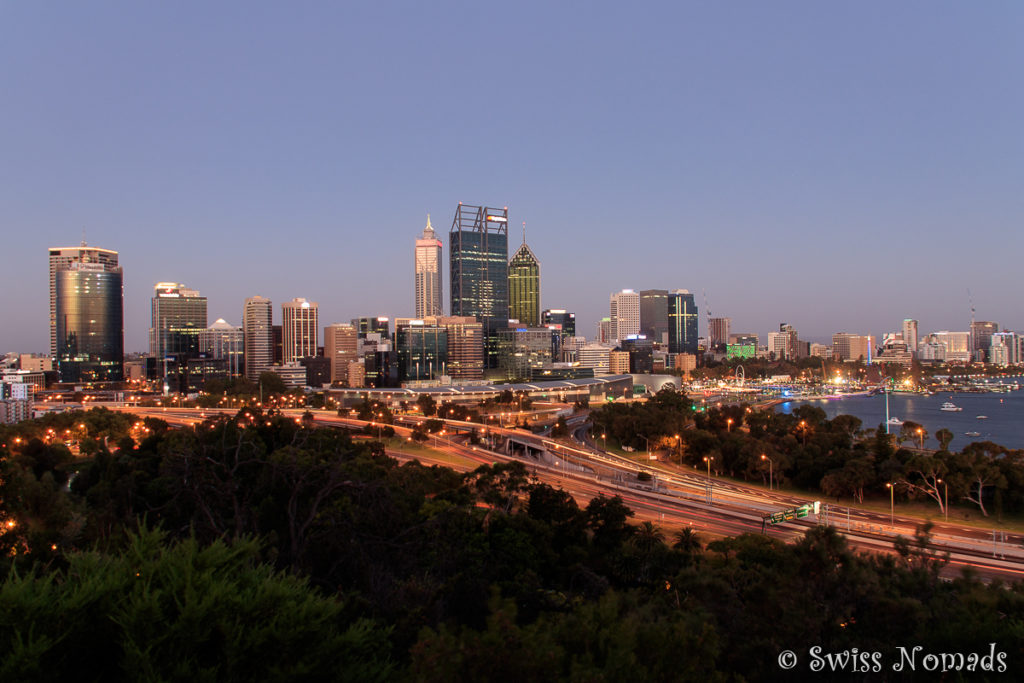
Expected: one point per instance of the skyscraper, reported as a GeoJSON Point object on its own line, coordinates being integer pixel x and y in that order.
{"type": "Point", "coordinates": [257, 327]}
{"type": "Point", "coordinates": [341, 346]}
{"type": "Point", "coordinates": [718, 332]}
{"type": "Point", "coordinates": [224, 341]}
{"type": "Point", "coordinates": [981, 338]}
{"type": "Point", "coordinates": [428, 273]}
{"type": "Point", "coordinates": [910, 334]}
{"type": "Point", "coordinates": [300, 329]}
{"type": "Point", "coordinates": [89, 314]}
{"type": "Point", "coordinates": [624, 310]}
{"type": "Point", "coordinates": [682, 322]}
{"type": "Point", "coordinates": [654, 314]}
{"type": "Point", "coordinates": [524, 286]}
{"type": "Point", "coordinates": [60, 259]}
{"type": "Point", "coordinates": [478, 245]}
{"type": "Point", "coordinates": [178, 316]}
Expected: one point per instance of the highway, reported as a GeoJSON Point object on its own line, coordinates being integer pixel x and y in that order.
{"type": "Point", "coordinates": [677, 497]}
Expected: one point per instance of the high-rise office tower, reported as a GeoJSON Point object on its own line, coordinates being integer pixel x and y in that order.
{"type": "Point", "coordinates": [910, 334]}
{"type": "Point", "coordinates": [565, 320]}
{"type": "Point", "coordinates": [428, 273]}
{"type": "Point", "coordinates": [90, 322]}
{"type": "Point", "coordinates": [682, 322]}
{"type": "Point", "coordinates": [224, 341]}
{"type": "Point", "coordinates": [60, 259]}
{"type": "Point", "coordinates": [300, 329]}
{"type": "Point", "coordinates": [178, 316]}
{"type": "Point", "coordinates": [624, 308]}
{"type": "Point", "coordinates": [369, 325]}
{"type": "Point", "coordinates": [524, 286]}
{"type": "Point", "coordinates": [654, 314]}
{"type": "Point", "coordinates": [478, 245]}
{"type": "Point", "coordinates": [465, 346]}
{"type": "Point", "coordinates": [341, 346]}
{"type": "Point", "coordinates": [257, 327]}
{"type": "Point", "coordinates": [718, 332]}
{"type": "Point", "coordinates": [981, 338]}
{"type": "Point", "coordinates": [422, 350]}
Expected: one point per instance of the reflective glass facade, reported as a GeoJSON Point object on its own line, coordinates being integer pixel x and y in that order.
{"type": "Point", "coordinates": [90, 324]}
{"type": "Point", "coordinates": [422, 352]}
{"type": "Point", "coordinates": [682, 322]}
{"type": "Point", "coordinates": [479, 271]}
{"type": "Point", "coordinates": [524, 287]}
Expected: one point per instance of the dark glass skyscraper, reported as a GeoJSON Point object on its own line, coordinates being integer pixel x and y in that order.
{"type": "Point", "coordinates": [479, 271]}
{"type": "Point", "coordinates": [654, 314]}
{"type": "Point", "coordinates": [682, 322]}
{"type": "Point", "coordinates": [90, 323]}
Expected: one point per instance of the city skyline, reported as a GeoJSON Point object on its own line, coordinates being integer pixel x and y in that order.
{"type": "Point", "coordinates": [742, 152]}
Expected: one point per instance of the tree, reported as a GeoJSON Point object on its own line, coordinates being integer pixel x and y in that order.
{"type": "Point", "coordinates": [923, 473]}
{"type": "Point", "coordinates": [975, 471]}
{"type": "Point", "coordinates": [427, 405]}
{"type": "Point", "coordinates": [272, 384]}
{"type": "Point", "coordinates": [182, 611]}
{"type": "Point", "coordinates": [945, 437]}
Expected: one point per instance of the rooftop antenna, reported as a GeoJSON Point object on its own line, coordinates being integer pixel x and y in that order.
{"type": "Point", "coordinates": [83, 237]}
{"type": "Point", "coordinates": [524, 232]}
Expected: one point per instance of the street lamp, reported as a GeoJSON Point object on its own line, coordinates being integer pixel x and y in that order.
{"type": "Point", "coordinates": [945, 508]}
{"type": "Point", "coordinates": [604, 439]}
{"type": "Point", "coordinates": [728, 425]}
{"type": "Point", "coordinates": [892, 505]}
{"type": "Point", "coordinates": [920, 434]}
{"type": "Point", "coordinates": [708, 459]}
{"type": "Point", "coordinates": [771, 476]}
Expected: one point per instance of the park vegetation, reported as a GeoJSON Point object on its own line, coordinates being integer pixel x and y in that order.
{"type": "Point", "coordinates": [837, 457]}
{"type": "Point", "coordinates": [256, 547]}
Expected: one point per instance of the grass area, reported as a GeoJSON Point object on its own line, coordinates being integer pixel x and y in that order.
{"type": "Point", "coordinates": [414, 448]}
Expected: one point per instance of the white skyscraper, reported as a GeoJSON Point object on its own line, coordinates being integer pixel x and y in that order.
{"type": "Point", "coordinates": [910, 334]}
{"type": "Point", "coordinates": [625, 314]}
{"type": "Point", "coordinates": [299, 329]}
{"type": "Point", "coordinates": [428, 273]}
{"type": "Point", "coordinates": [257, 328]}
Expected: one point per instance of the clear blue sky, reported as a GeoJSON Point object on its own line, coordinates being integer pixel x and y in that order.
{"type": "Point", "coordinates": [837, 167]}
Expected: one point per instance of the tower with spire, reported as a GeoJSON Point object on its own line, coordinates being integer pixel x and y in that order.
{"type": "Point", "coordinates": [524, 286]}
{"type": "Point", "coordinates": [428, 273]}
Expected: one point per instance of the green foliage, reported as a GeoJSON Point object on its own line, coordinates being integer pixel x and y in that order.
{"type": "Point", "coordinates": [181, 611]}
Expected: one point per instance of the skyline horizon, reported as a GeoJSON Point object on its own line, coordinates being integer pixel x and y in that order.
{"type": "Point", "coordinates": [591, 326]}
{"type": "Point", "coordinates": [836, 168]}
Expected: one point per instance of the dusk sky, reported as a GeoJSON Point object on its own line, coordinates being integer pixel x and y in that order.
{"type": "Point", "coordinates": [838, 167]}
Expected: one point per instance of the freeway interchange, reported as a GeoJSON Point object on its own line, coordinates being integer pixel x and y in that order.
{"type": "Point", "coordinates": [673, 496]}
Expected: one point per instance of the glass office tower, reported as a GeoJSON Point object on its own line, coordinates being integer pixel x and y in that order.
{"type": "Point", "coordinates": [682, 322]}
{"type": "Point", "coordinates": [89, 300]}
{"type": "Point", "coordinates": [478, 245]}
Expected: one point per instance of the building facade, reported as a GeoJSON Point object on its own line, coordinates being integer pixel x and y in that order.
{"type": "Point", "coordinates": [422, 351]}
{"type": "Point", "coordinates": [90, 322]}
{"type": "Point", "coordinates": [177, 316]}
{"type": "Point", "coordinates": [478, 244]}
{"type": "Point", "coordinates": [682, 322]}
{"type": "Point", "coordinates": [257, 329]}
{"type": "Point", "coordinates": [223, 341]}
{"type": "Point", "coordinates": [718, 332]}
{"type": "Point", "coordinates": [910, 334]}
{"type": "Point", "coordinates": [341, 347]}
{"type": "Point", "coordinates": [300, 325]}
{"type": "Point", "coordinates": [654, 314]}
{"type": "Point", "coordinates": [624, 314]}
{"type": "Point", "coordinates": [61, 258]}
{"type": "Point", "coordinates": [524, 286]}
{"type": "Point", "coordinates": [428, 273]}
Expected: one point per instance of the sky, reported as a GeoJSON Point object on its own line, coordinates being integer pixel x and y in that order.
{"type": "Point", "coordinates": [839, 167]}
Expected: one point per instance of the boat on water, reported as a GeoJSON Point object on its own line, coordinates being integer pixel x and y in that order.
{"type": "Point", "coordinates": [982, 417]}
{"type": "Point", "coordinates": [895, 421]}
{"type": "Point", "coordinates": [972, 433]}
{"type": "Point", "coordinates": [950, 407]}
